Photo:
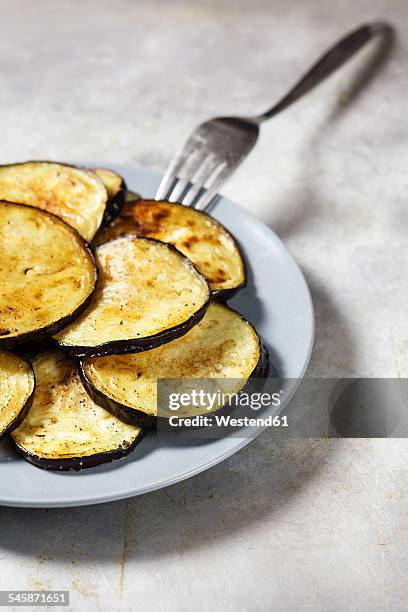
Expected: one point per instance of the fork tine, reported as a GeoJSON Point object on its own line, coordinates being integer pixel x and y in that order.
{"type": "Point", "coordinates": [202, 175]}
{"type": "Point", "coordinates": [169, 179]}
{"type": "Point", "coordinates": [186, 174]}
{"type": "Point", "coordinates": [207, 195]}
{"type": "Point", "coordinates": [180, 189]}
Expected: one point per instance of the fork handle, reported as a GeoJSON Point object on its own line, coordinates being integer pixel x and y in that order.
{"type": "Point", "coordinates": [329, 63]}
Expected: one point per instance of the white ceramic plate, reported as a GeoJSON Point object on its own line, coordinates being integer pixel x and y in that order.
{"type": "Point", "coordinates": [276, 301]}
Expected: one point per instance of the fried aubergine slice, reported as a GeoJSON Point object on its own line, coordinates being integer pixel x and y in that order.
{"type": "Point", "coordinates": [148, 294]}
{"type": "Point", "coordinates": [64, 428]}
{"type": "Point", "coordinates": [206, 242]}
{"type": "Point", "coordinates": [47, 273]}
{"type": "Point", "coordinates": [222, 346]}
{"type": "Point", "coordinates": [17, 385]}
{"type": "Point", "coordinates": [76, 195]}
{"type": "Point", "coordinates": [117, 192]}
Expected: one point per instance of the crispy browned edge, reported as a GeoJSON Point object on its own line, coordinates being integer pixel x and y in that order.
{"type": "Point", "coordinates": [80, 463]}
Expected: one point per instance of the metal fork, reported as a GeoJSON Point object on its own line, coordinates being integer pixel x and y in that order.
{"type": "Point", "coordinates": [218, 146]}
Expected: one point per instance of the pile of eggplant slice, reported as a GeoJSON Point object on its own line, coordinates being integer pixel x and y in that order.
{"type": "Point", "coordinates": [103, 293]}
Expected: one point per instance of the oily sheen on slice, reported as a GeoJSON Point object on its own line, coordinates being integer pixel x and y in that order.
{"type": "Point", "coordinates": [64, 428]}
{"type": "Point", "coordinates": [148, 294]}
{"type": "Point", "coordinates": [47, 273]}
{"type": "Point", "coordinates": [210, 247]}
{"type": "Point", "coordinates": [222, 346]}
{"type": "Point", "coordinates": [16, 390]}
{"type": "Point", "coordinates": [76, 195]}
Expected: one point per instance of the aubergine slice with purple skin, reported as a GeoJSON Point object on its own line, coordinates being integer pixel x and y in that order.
{"type": "Point", "coordinates": [17, 384]}
{"type": "Point", "coordinates": [76, 195]}
{"type": "Point", "coordinates": [223, 346]}
{"type": "Point", "coordinates": [117, 193]}
{"type": "Point", "coordinates": [148, 294]}
{"type": "Point", "coordinates": [47, 274]}
{"type": "Point", "coordinates": [207, 243]}
{"type": "Point", "coordinates": [65, 429]}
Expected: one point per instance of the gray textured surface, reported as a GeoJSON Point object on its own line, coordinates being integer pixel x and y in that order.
{"type": "Point", "coordinates": [319, 525]}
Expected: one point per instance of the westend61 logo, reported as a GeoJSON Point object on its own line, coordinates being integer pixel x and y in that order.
{"type": "Point", "coordinates": [194, 408]}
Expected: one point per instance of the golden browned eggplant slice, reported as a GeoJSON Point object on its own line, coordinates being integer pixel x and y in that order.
{"type": "Point", "coordinates": [76, 195]}
{"type": "Point", "coordinates": [17, 385]}
{"type": "Point", "coordinates": [47, 273]}
{"type": "Point", "coordinates": [117, 192]}
{"type": "Point", "coordinates": [65, 429]}
{"type": "Point", "coordinates": [201, 238]}
{"type": "Point", "coordinates": [148, 294]}
{"type": "Point", "coordinates": [222, 346]}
